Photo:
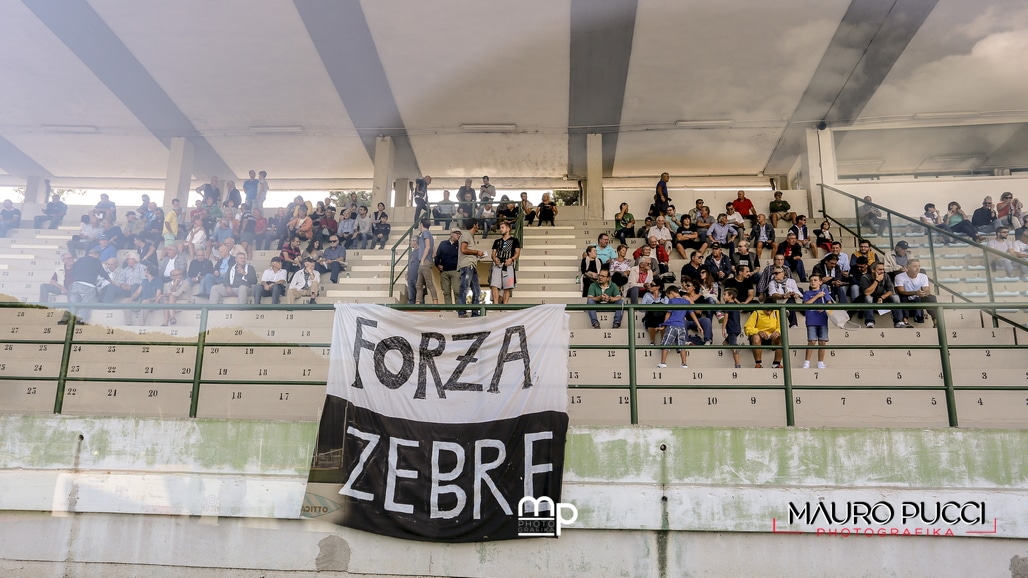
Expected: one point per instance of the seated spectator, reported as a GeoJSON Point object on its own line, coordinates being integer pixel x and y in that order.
{"type": "Point", "coordinates": [780, 209]}
{"type": "Point", "coordinates": [687, 238]}
{"type": "Point", "coordinates": [731, 324]}
{"type": "Point", "coordinates": [763, 328]}
{"type": "Point", "coordinates": [709, 289]}
{"type": "Point", "coordinates": [984, 218]}
{"type": "Point", "coordinates": [896, 261]}
{"type": "Point", "coordinates": [672, 219]}
{"type": "Point", "coordinates": [1005, 245]}
{"type": "Point", "coordinates": [175, 291]}
{"type": "Point", "coordinates": [238, 282]}
{"type": "Point", "coordinates": [487, 218]}
{"type": "Point", "coordinates": [173, 260]}
{"type": "Point", "coordinates": [333, 260]}
{"type": "Point", "coordinates": [833, 278]}
{"type": "Point", "coordinates": [803, 235]}
{"type": "Point", "coordinates": [199, 268]}
{"type": "Point", "coordinates": [53, 212]}
{"type": "Point", "coordinates": [768, 273]}
{"type": "Point", "coordinates": [864, 250]}
{"type": "Point", "coordinates": [547, 211]}
{"type": "Point", "coordinates": [718, 263]}
{"type": "Point", "coordinates": [380, 229]}
{"type": "Point", "coordinates": [147, 251]}
{"type": "Point", "coordinates": [743, 284]}
{"type": "Point", "coordinates": [466, 198]}
{"type": "Point", "coordinates": [290, 254]}
{"type": "Point", "coordinates": [222, 230]}
{"type": "Point", "coordinates": [638, 277]}
{"type": "Point", "coordinates": [10, 218]}
{"type": "Point", "coordinates": [703, 223]}
{"type": "Point", "coordinates": [59, 282]}
{"type": "Point", "coordinates": [590, 269]}
{"type": "Point", "coordinates": [301, 225]}
{"type": "Point", "coordinates": [735, 219]}
{"type": "Point", "coordinates": [783, 289]}
{"type": "Point", "coordinates": [602, 291]}
{"type": "Point", "coordinates": [691, 270]}
{"type": "Point", "coordinates": [1021, 251]}
{"type": "Point", "coordinates": [443, 211]}
{"type": "Point", "coordinates": [306, 283]}
{"type": "Point", "coordinates": [871, 217]}
{"type": "Point", "coordinates": [604, 251]}
{"type": "Point", "coordinates": [844, 259]}
{"type": "Point", "coordinates": [957, 222]}
{"type": "Point", "coordinates": [793, 253]}
{"type": "Point", "coordinates": [661, 233]}
{"type": "Point", "coordinates": [876, 287]}
{"type": "Point", "coordinates": [743, 256]}
{"type": "Point", "coordinates": [362, 235]}
{"type": "Point", "coordinates": [219, 270]}
{"type": "Point", "coordinates": [105, 248]}
{"type": "Point", "coordinates": [127, 281]}
{"type": "Point", "coordinates": [1008, 211]}
{"type": "Point", "coordinates": [150, 291]}
{"type": "Point", "coordinates": [89, 231]}
{"type": "Point", "coordinates": [913, 287]}
{"type": "Point", "coordinates": [507, 212]}
{"type": "Point", "coordinates": [526, 207]}
{"type": "Point", "coordinates": [657, 250]}
{"type": "Point", "coordinates": [675, 329]}
{"type": "Point", "coordinates": [643, 232]}
{"type": "Point", "coordinates": [723, 233]}
{"type": "Point", "coordinates": [619, 266]}
{"type": "Point", "coordinates": [116, 236]}
{"type": "Point", "coordinates": [860, 269]}
{"type": "Point", "coordinates": [763, 235]}
{"type": "Point", "coordinates": [696, 211]}
{"type": "Point", "coordinates": [824, 237]}
{"type": "Point", "coordinates": [105, 208]}
{"type": "Point", "coordinates": [744, 208]}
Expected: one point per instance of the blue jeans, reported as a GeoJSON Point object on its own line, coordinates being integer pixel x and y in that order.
{"type": "Point", "coordinates": [469, 280]}
{"type": "Point", "coordinates": [869, 315]}
{"type": "Point", "coordinates": [592, 314]}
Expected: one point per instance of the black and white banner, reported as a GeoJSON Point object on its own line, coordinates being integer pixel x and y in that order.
{"type": "Point", "coordinates": [446, 423]}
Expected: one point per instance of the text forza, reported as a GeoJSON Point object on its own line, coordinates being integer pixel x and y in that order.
{"type": "Point", "coordinates": [432, 345]}
{"type": "Point", "coordinates": [883, 513]}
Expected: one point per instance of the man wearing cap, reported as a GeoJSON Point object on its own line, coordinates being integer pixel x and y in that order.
{"type": "Point", "coordinates": [896, 261]}
{"type": "Point", "coordinates": [306, 283]}
{"type": "Point", "coordinates": [446, 258]}
{"type": "Point", "coordinates": [105, 248]}
{"type": "Point", "coordinates": [780, 209]}
{"type": "Point", "coordinates": [126, 282]}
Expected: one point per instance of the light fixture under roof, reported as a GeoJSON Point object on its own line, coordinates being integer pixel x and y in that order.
{"type": "Point", "coordinates": [488, 127]}
{"type": "Point", "coordinates": [275, 129]}
{"type": "Point", "coordinates": [942, 115]}
{"type": "Point", "coordinates": [704, 123]}
{"type": "Point", "coordinates": [958, 158]}
{"type": "Point", "coordinates": [70, 128]}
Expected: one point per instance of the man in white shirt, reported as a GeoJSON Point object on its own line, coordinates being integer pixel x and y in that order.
{"type": "Point", "coordinates": [662, 233]}
{"type": "Point", "coordinates": [272, 283]}
{"type": "Point", "coordinates": [306, 283]}
{"type": "Point", "coordinates": [913, 287]}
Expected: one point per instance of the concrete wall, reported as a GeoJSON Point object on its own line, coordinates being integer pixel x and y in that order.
{"type": "Point", "coordinates": [652, 502]}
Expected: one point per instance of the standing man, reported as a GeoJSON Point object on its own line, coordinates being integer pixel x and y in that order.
{"type": "Point", "coordinates": [210, 190]}
{"type": "Point", "coordinates": [262, 189]}
{"type": "Point", "coordinates": [468, 266]}
{"type": "Point", "coordinates": [446, 258]}
{"type": "Point", "coordinates": [85, 273]}
{"type": "Point", "coordinates": [487, 192]}
{"type": "Point", "coordinates": [503, 277]}
{"type": "Point", "coordinates": [421, 196]}
{"type": "Point", "coordinates": [660, 196]}
{"type": "Point", "coordinates": [250, 187]}
{"type": "Point", "coordinates": [422, 257]}
{"type": "Point", "coordinates": [745, 207]}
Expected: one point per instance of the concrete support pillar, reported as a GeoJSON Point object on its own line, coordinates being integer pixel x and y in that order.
{"type": "Point", "coordinates": [403, 197]}
{"type": "Point", "coordinates": [180, 172]}
{"type": "Point", "coordinates": [594, 176]}
{"type": "Point", "coordinates": [821, 165]}
{"type": "Point", "coordinates": [382, 184]}
{"type": "Point", "coordinates": [35, 190]}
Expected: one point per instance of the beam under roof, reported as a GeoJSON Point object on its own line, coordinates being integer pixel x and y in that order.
{"type": "Point", "coordinates": [342, 37]}
{"type": "Point", "coordinates": [16, 163]}
{"type": "Point", "coordinates": [85, 33]}
{"type": "Point", "coordinates": [601, 47]}
{"type": "Point", "coordinates": [870, 38]}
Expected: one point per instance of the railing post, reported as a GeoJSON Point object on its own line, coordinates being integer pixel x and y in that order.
{"type": "Point", "coordinates": [201, 340]}
{"type": "Point", "coordinates": [783, 324]}
{"type": "Point", "coordinates": [931, 258]}
{"type": "Point", "coordinates": [633, 390]}
{"type": "Point", "coordinates": [62, 377]}
{"type": "Point", "coordinates": [947, 370]}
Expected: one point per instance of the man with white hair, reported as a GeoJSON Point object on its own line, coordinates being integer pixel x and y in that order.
{"type": "Point", "coordinates": [238, 281]}
{"type": "Point", "coordinates": [126, 282]}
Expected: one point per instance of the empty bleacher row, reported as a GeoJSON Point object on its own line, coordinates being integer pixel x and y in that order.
{"type": "Point", "coordinates": [271, 364]}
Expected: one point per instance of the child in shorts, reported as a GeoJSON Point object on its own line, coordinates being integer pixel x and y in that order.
{"type": "Point", "coordinates": [675, 330]}
{"type": "Point", "coordinates": [731, 323]}
{"type": "Point", "coordinates": [817, 320]}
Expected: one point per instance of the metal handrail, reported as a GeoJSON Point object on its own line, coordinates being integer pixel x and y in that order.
{"type": "Point", "coordinates": [201, 343]}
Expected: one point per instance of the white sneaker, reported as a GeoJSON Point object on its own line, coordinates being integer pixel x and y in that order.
{"type": "Point", "coordinates": [806, 365]}
{"type": "Point", "coordinates": [684, 366]}
{"type": "Point", "coordinates": [661, 365]}
{"type": "Point", "coordinates": [820, 365]}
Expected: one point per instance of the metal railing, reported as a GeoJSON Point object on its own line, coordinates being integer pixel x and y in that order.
{"type": "Point", "coordinates": [206, 342]}
{"type": "Point", "coordinates": [937, 241]}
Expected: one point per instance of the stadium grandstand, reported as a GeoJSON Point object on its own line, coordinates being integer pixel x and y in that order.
{"type": "Point", "coordinates": [788, 238]}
